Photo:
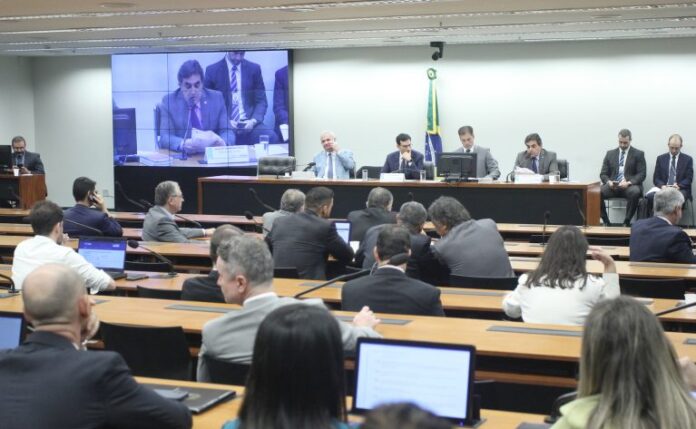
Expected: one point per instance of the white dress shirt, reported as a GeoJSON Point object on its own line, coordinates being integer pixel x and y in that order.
{"type": "Point", "coordinates": [41, 250]}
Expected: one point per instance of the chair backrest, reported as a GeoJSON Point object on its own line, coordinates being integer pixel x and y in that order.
{"type": "Point", "coordinates": [557, 404]}
{"type": "Point", "coordinates": [226, 372]}
{"type": "Point", "coordinates": [496, 283]}
{"type": "Point", "coordinates": [673, 288]}
{"type": "Point", "coordinates": [157, 118]}
{"type": "Point", "coordinates": [286, 273]}
{"type": "Point", "coordinates": [159, 267]}
{"type": "Point", "coordinates": [150, 352]}
{"type": "Point", "coordinates": [276, 165]}
{"type": "Point", "coordinates": [146, 292]}
{"type": "Point", "coordinates": [595, 240]}
{"type": "Point", "coordinates": [563, 168]}
{"type": "Point", "coordinates": [373, 171]}
{"type": "Point", "coordinates": [429, 168]}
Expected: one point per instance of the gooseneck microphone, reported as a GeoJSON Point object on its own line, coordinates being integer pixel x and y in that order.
{"type": "Point", "coordinates": [547, 215]}
{"type": "Point", "coordinates": [13, 289]}
{"type": "Point", "coordinates": [260, 201]}
{"type": "Point", "coordinates": [82, 225]}
{"type": "Point", "coordinates": [582, 214]}
{"type": "Point", "coordinates": [677, 308]}
{"type": "Point", "coordinates": [309, 166]}
{"type": "Point", "coordinates": [133, 244]}
{"type": "Point", "coordinates": [250, 216]}
{"type": "Point", "coordinates": [508, 176]}
{"type": "Point", "coordinates": [397, 259]}
{"type": "Point", "coordinates": [127, 198]}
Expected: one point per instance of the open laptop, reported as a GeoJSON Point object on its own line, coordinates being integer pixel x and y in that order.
{"type": "Point", "coordinates": [437, 377]}
{"type": "Point", "coordinates": [106, 253]}
{"type": "Point", "coordinates": [343, 228]}
{"type": "Point", "coordinates": [12, 330]}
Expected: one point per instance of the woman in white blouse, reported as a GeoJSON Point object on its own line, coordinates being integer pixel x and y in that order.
{"type": "Point", "coordinates": [560, 291]}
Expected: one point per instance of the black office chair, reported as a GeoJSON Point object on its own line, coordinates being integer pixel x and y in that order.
{"type": "Point", "coordinates": [598, 240]}
{"type": "Point", "coordinates": [146, 292]}
{"type": "Point", "coordinates": [276, 165]}
{"type": "Point", "coordinates": [226, 372]}
{"type": "Point", "coordinates": [429, 168]}
{"type": "Point", "coordinates": [669, 288]}
{"type": "Point", "coordinates": [159, 267]}
{"type": "Point", "coordinates": [157, 112]}
{"type": "Point", "coordinates": [150, 352]}
{"type": "Point", "coordinates": [286, 273]}
{"type": "Point", "coordinates": [373, 171]}
{"type": "Point", "coordinates": [495, 283]}
{"type": "Point", "coordinates": [557, 404]}
{"type": "Point", "coordinates": [563, 168]}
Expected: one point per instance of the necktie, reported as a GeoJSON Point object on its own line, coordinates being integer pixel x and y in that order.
{"type": "Point", "coordinates": [535, 167]}
{"type": "Point", "coordinates": [330, 172]}
{"type": "Point", "coordinates": [468, 151]}
{"type": "Point", "coordinates": [234, 89]}
{"type": "Point", "coordinates": [193, 118]}
{"type": "Point", "coordinates": [620, 176]}
{"type": "Point", "coordinates": [672, 171]}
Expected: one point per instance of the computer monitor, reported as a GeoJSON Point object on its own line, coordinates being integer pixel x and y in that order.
{"type": "Point", "coordinates": [5, 157]}
{"type": "Point", "coordinates": [437, 377]}
{"type": "Point", "coordinates": [456, 164]}
{"type": "Point", "coordinates": [105, 253]}
{"type": "Point", "coordinates": [12, 330]}
{"type": "Point", "coordinates": [343, 229]}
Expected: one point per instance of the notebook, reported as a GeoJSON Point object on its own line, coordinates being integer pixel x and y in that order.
{"type": "Point", "coordinates": [437, 377]}
{"type": "Point", "coordinates": [106, 253]}
{"type": "Point", "coordinates": [12, 330]}
{"type": "Point", "coordinates": [343, 228]}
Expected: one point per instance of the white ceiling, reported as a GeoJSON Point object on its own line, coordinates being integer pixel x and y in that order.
{"type": "Point", "coordinates": [87, 27]}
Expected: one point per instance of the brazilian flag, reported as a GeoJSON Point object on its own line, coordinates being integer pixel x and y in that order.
{"type": "Point", "coordinates": [433, 142]}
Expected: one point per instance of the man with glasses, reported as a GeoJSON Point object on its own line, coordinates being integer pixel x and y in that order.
{"type": "Point", "coordinates": [405, 160]}
{"type": "Point", "coordinates": [160, 224]}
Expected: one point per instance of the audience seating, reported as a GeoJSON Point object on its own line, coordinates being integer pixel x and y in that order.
{"type": "Point", "coordinates": [557, 404]}
{"type": "Point", "coordinates": [286, 273]}
{"type": "Point", "coordinates": [226, 372]}
{"type": "Point", "coordinates": [654, 288]}
{"type": "Point", "coordinates": [146, 292]}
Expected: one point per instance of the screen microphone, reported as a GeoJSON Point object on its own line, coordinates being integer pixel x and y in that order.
{"type": "Point", "coordinates": [133, 244]}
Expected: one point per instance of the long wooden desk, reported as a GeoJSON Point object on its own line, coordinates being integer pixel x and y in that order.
{"type": "Point", "coordinates": [25, 229]}
{"type": "Point", "coordinates": [518, 230]}
{"type": "Point", "coordinates": [503, 202]}
{"type": "Point", "coordinates": [205, 219]}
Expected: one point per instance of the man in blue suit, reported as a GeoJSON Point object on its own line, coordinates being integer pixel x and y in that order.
{"type": "Point", "coordinates": [281, 104]}
{"type": "Point", "coordinates": [658, 239]}
{"type": "Point", "coordinates": [241, 84]}
{"type": "Point", "coordinates": [405, 160]}
{"type": "Point", "coordinates": [674, 169]}
{"type": "Point", "coordinates": [192, 117]}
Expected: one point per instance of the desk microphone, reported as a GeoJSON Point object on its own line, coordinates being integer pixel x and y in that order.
{"type": "Point", "coordinates": [185, 219]}
{"type": "Point", "coordinates": [577, 204]}
{"type": "Point", "coordinates": [410, 196]}
{"type": "Point", "coordinates": [133, 244]}
{"type": "Point", "coordinates": [547, 215]}
{"type": "Point", "coordinates": [82, 225]}
{"type": "Point", "coordinates": [288, 169]}
{"type": "Point", "coordinates": [13, 290]}
{"type": "Point", "coordinates": [509, 175]}
{"type": "Point", "coordinates": [127, 198]}
{"type": "Point", "coordinates": [677, 308]}
{"type": "Point", "coordinates": [398, 259]}
{"type": "Point", "coordinates": [250, 216]}
{"type": "Point", "coordinates": [260, 201]}
{"type": "Point", "coordinates": [309, 166]}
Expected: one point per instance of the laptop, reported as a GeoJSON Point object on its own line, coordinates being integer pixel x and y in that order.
{"type": "Point", "coordinates": [343, 228]}
{"type": "Point", "coordinates": [436, 377]}
{"type": "Point", "coordinates": [106, 253]}
{"type": "Point", "coordinates": [12, 330]}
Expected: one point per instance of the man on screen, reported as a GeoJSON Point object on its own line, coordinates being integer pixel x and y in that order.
{"type": "Point", "coordinates": [241, 84]}
{"type": "Point", "coordinates": [405, 160]}
{"type": "Point", "coordinates": [281, 104]}
{"type": "Point", "coordinates": [193, 117]}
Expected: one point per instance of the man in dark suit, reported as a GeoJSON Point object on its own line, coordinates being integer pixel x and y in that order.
{"type": "Point", "coordinates": [378, 212]}
{"type": "Point", "coordinates": [281, 104]}
{"type": "Point", "coordinates": [193, 117]}
{"type": "Point", "coordinates": [27, 162]}
{"type": "Point", "coordinates": [303, 240]}
{"type": "Point", "coordinates": [658, 239]}
{"type": "Point", "coordinates": [205, 288]}
{"type": "Point", "coordinates": [241, 84]}
{"type": "Point", "coordinates": [389, 289]}
{"type": "Point", "coordinates": [536, 158]}
{"type": "Point", "coordinates": [673, 169]}
{"type": "Point", "coordinates": [52, 381]}
{"type": "Point", "coordinates": [405, 160]}
{"type": "Point", "coordinates": [622, 175]}
{"type": "Point", "coordinates": [82, 219]}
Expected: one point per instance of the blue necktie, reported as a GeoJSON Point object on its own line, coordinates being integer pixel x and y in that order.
{"type": "Point", "coordinates": [620, 176]}
{"type": "Point", "coordinates": [535, 167]}
{"type": "Point", "coordinates": [672, 171]}
{"type": "Point", "coordinates": [234, 89]}
{"type": "Point", "coordinates": [193, 118]}
{"type": "Point", "coordinates": [330, 173]}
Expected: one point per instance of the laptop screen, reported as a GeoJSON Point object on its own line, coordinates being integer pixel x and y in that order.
{"type": "Point", "coordinates": [11, 330]}
{"type": "Point", "coordinates": [343, 229]}
{"type": "Point", "coordinates": [104, 253]}
{"type": "Point", "coordinates": [437, 377]}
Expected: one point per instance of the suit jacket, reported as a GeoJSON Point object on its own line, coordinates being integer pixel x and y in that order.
{"type": "Point", "coordinates": [175, 124]}
{"type": "Point", "coordinates": [32, 161]}
{"type": "Point", "coordinates": [474, 248]}
{"type": "Point", "coordinates": [231, 337]}
{"type": "Point", "coordinates": [362, 220]}
{"type": "Point", "coordinates": [389, 290]}
{"type": "Point", "coordinates": [90, 217]}
{"type": "Point", "coordinates": [203, 288]}
{"type": "Point", "coordinates": [281, 99]}
{"type": "Point", "coordinates": [253, 90]}
{"type": "Point", "coordinates": [486, 165]}
{"type": "Point", "coordinates": [411, 170]}
{"type": "Point", "coordinates": [47, 383]}
{"type": "Point", "coordinates": [655, 240]}
{"type": "Point", "coordinates": [158, 226]}
{"type": "Point", "coordinates": [304, 241]}
{"type": "Point", "coordinates": [634, 166]}
{"type": "Point", "coordinates": [547, 161]}
{"type": "Point", "coordinates": [343, 164]}
{"type": "Point", "coordinates": [685, 171]}
{"type": "Point", "coordinates": [269, 219]}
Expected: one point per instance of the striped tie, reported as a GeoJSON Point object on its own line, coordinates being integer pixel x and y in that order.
{"type": "Point", "coordinates": [234, 90]}
{"type": "Point", "coordinates": [620, 176]}
{"type": "Point", "coordinates": [672, 171]}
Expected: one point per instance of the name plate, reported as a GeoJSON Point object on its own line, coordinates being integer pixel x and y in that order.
{"type": "Point", "coordinates": [307, 175]}
{"type": "Point", "coordinates": [227, 154]}
{"type": "Point", "coordinates": [392, 177]}
{"type": "Point", "coordinates": [529, 178]}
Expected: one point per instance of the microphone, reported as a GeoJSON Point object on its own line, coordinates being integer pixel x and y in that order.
{"type": "Point", "coordinates": [250, 216]}
{"type": "Point", "coordinates": [282, 171]}
{"type": "Point", "coordinates": [410, 196]}
{"type": "Point", "coordinates": [127, 198]}
{"type": "Point", "coordinates": [309, 166]}
{"type": "Point", "coordinates": [577, 204]}
{"type": "Point", "coordinates": [13, 289]}
{"type": "Point", "coordinates": [185, 219]}
{"type": "Point", "coordinates": [672, 310]}
{"type": "Point", "coordinates": [133, 244]}
{"type": "Point", "coordinates": [260, 201]}
{"type": "Point", "coordinates": [82, 225]}
{"type": "Point", "coordinates": [398, 259]}
{"type": "Point", "coordinates": [508, 176]}
{"type": "Point", "coordinates": [547, 215]}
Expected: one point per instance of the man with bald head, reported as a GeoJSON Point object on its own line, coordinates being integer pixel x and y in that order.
{"type": "Point", "coordinates": [332, 162]}
{"type": "Point", "coordinates": [56, 383]}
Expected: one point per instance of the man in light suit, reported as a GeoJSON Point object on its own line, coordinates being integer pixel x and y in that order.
{"type": "Point", "coordinates": [622, 175]}
{"type": "Point", "coordinates": [405, 160]}
{"type": "Point", "coordinates": [56, 383]}
{"type": "Point", "coordinates": [241, 83]}
{"type": "Point", "coordinates": [159, 224]}
{"type": "Point", "coordinates": [677, 176]}
{"type": "Point", "coordinates": [27, 162]}
{"type": "Point", "coordinates": [536, 158]}
{"type": "Point", "coordinates": [333, 162]}
{"type": "Point", "coordinates": [291, 202]}
{"type": "Point", "coordinates": [192, 117]}
{"type": "Point", "coordinates": [246, 278]}
{"type": "Point", "coordinates": [486, 165]}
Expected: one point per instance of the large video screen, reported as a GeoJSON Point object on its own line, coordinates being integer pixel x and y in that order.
{"type": "Point", "coordinates": [201, 109]}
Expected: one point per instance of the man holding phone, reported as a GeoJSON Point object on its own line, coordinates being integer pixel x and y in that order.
{"type": "Point", "coordinates": [405, 160]}
{"type": "Point", "coordinates": [622, 175]}
{"type": "Point", "coordinates": [89, 216]}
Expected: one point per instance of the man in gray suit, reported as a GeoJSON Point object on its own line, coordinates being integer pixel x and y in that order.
{"type": "Point", "coordinates": [486, 165]}
{"type": "Point", "coordinates": [193, 117]}
{"type": "Point", "coordinates": [246, 278]}
{"type": "Point", "coordinates": [159, 224]}
{"type": "Point", "coordinates": [468, 247]}
{"type": "Point", "coordinates": [291, 202]}
{"type": "Point", "coordinates": [536, 158]}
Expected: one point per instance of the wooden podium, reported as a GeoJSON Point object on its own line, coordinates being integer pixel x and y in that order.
{"type": "Point", "coordinates": [26, 189]}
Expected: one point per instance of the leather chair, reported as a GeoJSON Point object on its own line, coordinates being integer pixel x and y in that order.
{"type": "Point", "coordinates": [563, 168]}
{"type": "Point", "coordinates": [224, 372]}
{"type": "Point", "coordinates": [373, 171]}
{"type": "Point", "coordinates": [429, 168]}
{"type": "Point", "coordinates": [276, 165]}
